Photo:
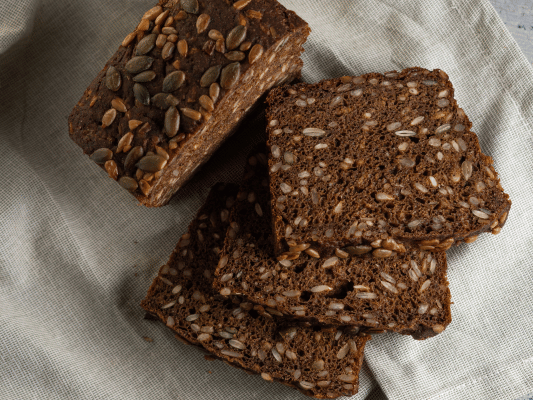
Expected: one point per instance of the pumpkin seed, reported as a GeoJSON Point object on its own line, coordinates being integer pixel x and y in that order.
{"type": "Point", "coordinates": [172, 121]}
{"type": "Point", "coordinates": [173, 81]}
{"type": "Point", "coordinates": [151, 163]}
{"type": "Point", "coordinates": [146, 44]}
{"type": "Point", "coordinates": [230, 75]}
{"type": "Point", "coordinates": [113, 79]}
{"type": "Point", "coordinates": [210, 76]}
{"type": "Point", "coordinates": [190, 6]}
{"type": "Point", "coordinates": [145, 76]}
{"type": "Point", "coordinates": [100, 156]}
{"type": "Point", "coordinates": [236, 36]}
{"type": "Point", "coordinates": [138, 64]}
{"type": "Point", "coordinates": [133, 156]}
{"type": "Point", "coordinates": [141, 94]}
{"type": "Point", "coordinates": [128, 183]}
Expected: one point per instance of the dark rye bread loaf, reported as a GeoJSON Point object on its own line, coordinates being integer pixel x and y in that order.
{"type": "Point", "coordinates": [321, 363]}
{"type": "Point", "coordinates": [408, 293]}
{"type": "Point", "coordinates": [178, 87]}
{"type": "Point", "coordinates": [380, 163]}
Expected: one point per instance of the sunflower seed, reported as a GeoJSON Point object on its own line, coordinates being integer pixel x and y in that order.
{"type": "Point", "coordinates": [320, 288]}
{"type": "Point", "coordinates": [146, 44]}
{"type": "Point", "coordinates": [358, 250]}
{"type": "Point", "coordinates": [182, 47]}
{"type": "Point", "coordinates": [190, 6]}
{"type": "Point", "coordinates": [480, 214]}
{"type": "Point", "coordinates": [102, 155]}
{"type": "Point", "coordinates": [276, 355]}
{"type": "Point", "coordinates": [347, 377]}
{"type": "Point", "coordinates": [129, 39]}
{"type": "Point", "coordinates": [109, 117]}
{"type": "Point", "coordinates": [170, 321]}
{"type": "Point", "coordinates": [393, 126]}
{"type": "Point", "coordinates": [168, 50]}
{"type": "Point", "coordinates": [145, 187]}
{"type": "Point", "coordinates": [330, 262]}
{"type": "Point", "coordinates": [313, 132]}
{"type": "Point", "coordinates": [443, 103]}
{"type": "Point", "coordinates": [138, 64]}
{"type": "Point", "coordinates": [206, 102]}
{"type": "Point", "coordinates": [366, 295]}
{"type": "Point", "coordinates": [417, 120]}
{"type": "Point", "coordinates": [241, 4]}
{"type": "Point", "coordinates": [220, 46]}
{"type": "Point", "coordinates": [467, 169]}
{"type": "Point", "coordinates": [255, 53]}
{"type": "Point", "coordinates": [113, 79]}
{"type": "Point", "coordinates": [128, 183]}
{"type": "Point", "coordinates": [235, 56]}
{"type": "Point", "coordinates": [389, 286]}
{"type": "Point", "coordinates": [214, 34]}
{"type": "Point", "coordinates": [236, 36]}
{"type": "Point", "coordinates": [443, 128]}
{"type": "Point", "coordinates": [382, 253]}
{"type": "Point", "coordinates": [405, 133]}
{"type": "Point", "coordinates": [111, 168]}
{"type": "Point", "coordinates": [172, 122]}
{"type": "Point", "coordinates": [173, 81]}
{"type": "Point", "coordinates": [292, 293]}
{"type": "Point", "coordinates": [202, 23]}
{"type": "Point", "coordinates": [423, 308]}
{"type": "Point", "coordinates": [230, 75]}
{"type": "Point", "coordinates": [192, 114]}
{"type": "Point", "coordinates": [230, 353]}
{"type": "Point", "coordinates": [210, 76]}
{"type": "Point", "coordinates": [388, 277]}
{"type": "Point", "coordinates": [237, 344]}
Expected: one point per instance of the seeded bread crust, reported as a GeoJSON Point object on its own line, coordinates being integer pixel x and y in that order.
{"type": "Point", "coordinates": [379, 163]}
{"type": "Point", "coordinates": [320, 362]}
{"type": "Point", "coordinates": [408, 293]}
{"type": "Point", "coordinates": [179, 86]}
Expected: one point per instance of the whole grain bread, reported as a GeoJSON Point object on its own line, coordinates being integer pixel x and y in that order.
{"type": "Point", "coordinates": [179, 86]}
{"type": "Point", "coordinates": [378, 162]}
{"type": "Point", "coordinates": [408, 293]}
{"type": "Point", "coordinates": [320, 362]}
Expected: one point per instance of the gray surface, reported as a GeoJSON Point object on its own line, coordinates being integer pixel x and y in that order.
{"type": "Point", "coordinates": [517, 16]}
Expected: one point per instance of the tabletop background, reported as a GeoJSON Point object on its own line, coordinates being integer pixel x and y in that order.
{"type": "Point", "coordinates": [76, 255]}
{"type": "Point", "coordinates": [517, 16]}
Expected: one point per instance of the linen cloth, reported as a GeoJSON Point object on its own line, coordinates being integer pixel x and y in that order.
{"type": "Point", "coordinates": [77, 253]}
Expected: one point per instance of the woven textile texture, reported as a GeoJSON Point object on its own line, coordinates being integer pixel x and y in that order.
{"type": "Point", "coordinates": [77, 253]}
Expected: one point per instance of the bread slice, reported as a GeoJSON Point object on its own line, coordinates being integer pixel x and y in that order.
{"type": "Point", "coordinates": [408, 293]}
{"type": "Point", "coordinates": [323, 363]}
{"type": "Point", "coordinates": [179, 86]}
{"type": "Point", "coordinates": [381, 162]}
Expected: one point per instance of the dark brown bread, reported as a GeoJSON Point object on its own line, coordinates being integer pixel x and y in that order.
{"type": "Point", "coordinates": [321, 363]}
{"type": "Point", "coordinates": [378, 161]}
{"type": "Point", "coordinates": [179, 86]}
{"type": "Point", "coordinates": [408, 294]}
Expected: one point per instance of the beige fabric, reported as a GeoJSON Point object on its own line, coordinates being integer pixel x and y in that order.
{"type": "Point", "coordinates": [77, 254]}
